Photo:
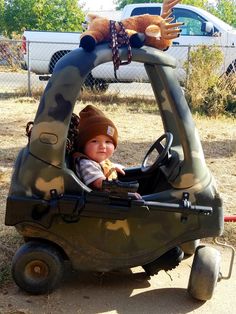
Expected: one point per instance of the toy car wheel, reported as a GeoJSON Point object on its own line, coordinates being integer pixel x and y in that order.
{"type": "Point", "coordinates": [204, 273]}
{"type": "Point", "coordinates": [189, 247]}
{"type": "Point", "coordinates": [37, 267]}
{"type": "Point", "coordinates": [167, 261]}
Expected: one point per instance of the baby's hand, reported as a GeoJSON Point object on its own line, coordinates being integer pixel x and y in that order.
{"type": "Point", "coordinates": [135, 195]}
{"type": "Point", "coordinates": [119, 168]}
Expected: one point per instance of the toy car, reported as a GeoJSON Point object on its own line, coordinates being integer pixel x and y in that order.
{"type": "Point", "coordinates": [61, 219]}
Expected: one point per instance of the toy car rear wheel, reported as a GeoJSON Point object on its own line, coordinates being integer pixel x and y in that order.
{"type": "Point", "coordinates": [37, 267]}
{"type": "Point", "coordinates": [204, 273]}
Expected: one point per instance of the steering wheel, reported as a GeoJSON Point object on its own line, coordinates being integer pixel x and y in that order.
{"type": "Point", "coordinates": [162, 151]}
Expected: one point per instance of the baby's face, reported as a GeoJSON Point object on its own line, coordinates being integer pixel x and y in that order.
{"type": "Point", "coordinates": [99, 148]}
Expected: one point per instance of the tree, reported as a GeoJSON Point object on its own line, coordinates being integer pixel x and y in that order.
{"type": "Point", "coordinates": [225, 10]}
{"type": "Point", "coordinates": [18, 15]}
{"type": "Point", "coordinates": [196, 3]}
{"type": "Point", "coordinates": [59, 15]}
{"type": "Point", "coordinates": [53, 15]}
{"type": "Point", "coordinates": [1, 16]}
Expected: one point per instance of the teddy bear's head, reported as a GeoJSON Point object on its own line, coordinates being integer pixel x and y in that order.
{"type": "Point", "coordinates": [139, 29]}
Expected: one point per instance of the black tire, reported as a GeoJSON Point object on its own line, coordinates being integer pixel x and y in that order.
{"type": "Point", "coordinates": [167, 261]}
{"type": "Point", "coordinates": [95, 85]}
{"type": "Point", "coordinates": [100, 85]}
{"type": "Point", "coordinates": [231, 68]}
{"type": "Point", "coordinates": [204, 273]}
{"type": "Point", "coordinates": [37, 267]}
{"type": "Point", "coordinates": [57, 56]}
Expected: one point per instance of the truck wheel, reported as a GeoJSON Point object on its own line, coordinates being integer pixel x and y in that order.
{"type": "Point", "coordinates": [204, 273]}
{"type": "Point", "coordinates": [37, 267]}
{"type": "Point", "coordinates": [100, 85]}
{"type": "Point", "coordinates": [190, 247]}
{"type": "Point", "coordinates": [231, 68]}
{"type": "Point", "coordinates": [96, 85]}
{"type": "Point", "coordinates": [57, 56]}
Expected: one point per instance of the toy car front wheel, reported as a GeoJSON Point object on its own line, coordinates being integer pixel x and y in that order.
{"type": "Point", "coordinates": [204, 273]}
{"type": "Point", "coordinates": [167, 261]}
{"type": "Point", "coordinates": [37, 267]}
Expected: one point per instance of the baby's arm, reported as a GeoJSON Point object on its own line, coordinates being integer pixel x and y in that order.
{"type": "Point", "coordinates": [119, 168]}
{"type": "Point", "coordinates": [90, 173]}
{"type": "Point", "coordinates": [97, 184]}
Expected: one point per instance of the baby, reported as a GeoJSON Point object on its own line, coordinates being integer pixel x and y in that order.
{"type": "Point", "coordinates": [96, 142]}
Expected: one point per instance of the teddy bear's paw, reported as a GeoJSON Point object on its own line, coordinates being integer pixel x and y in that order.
{"type": "Point", "coordinates": [88, 43]}
{"type": "Point", "coordinates": [166, 48]}
{"type": "Point", "coordinates": [137, 40]}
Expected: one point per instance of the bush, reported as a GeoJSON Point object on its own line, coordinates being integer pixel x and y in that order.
{"type": "Point", "coordinates": [206, 91]}
{"type": "Point", "coordinates": [10, 55]}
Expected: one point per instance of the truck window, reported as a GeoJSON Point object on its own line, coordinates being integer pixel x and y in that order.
{"type": "Point", "coordinates": [146, 10]}
{"type": "Point", "coordinates": [193, 22]}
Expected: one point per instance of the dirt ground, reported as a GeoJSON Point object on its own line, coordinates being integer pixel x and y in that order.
{"type": "Point", "coordinates": [125, 292]}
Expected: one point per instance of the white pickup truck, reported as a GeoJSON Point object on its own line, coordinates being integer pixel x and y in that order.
{"type": "Point", "coordinates": [43, 49]}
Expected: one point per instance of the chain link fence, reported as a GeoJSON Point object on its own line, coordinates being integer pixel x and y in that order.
{"type": "Point", "coordinates": [26, 74]}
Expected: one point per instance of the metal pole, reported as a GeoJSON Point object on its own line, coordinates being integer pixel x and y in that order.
{"type": "Point", "coordinates": [187, 72]}
{"type": "Point", "coordinates": [28, 62]}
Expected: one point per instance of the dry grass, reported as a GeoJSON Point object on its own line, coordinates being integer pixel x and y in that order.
{"type": "Point", "coordinates": [138, 128]}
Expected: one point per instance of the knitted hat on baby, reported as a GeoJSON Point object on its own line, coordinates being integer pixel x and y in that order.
{"type": "Point", "coordinates": [93, 122]}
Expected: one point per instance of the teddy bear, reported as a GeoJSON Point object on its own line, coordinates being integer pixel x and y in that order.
{"type": "Point", "coordinates": [151, 30]}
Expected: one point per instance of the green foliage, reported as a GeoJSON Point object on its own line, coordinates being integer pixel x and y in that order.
{"type": "Point", "coordinates": [53, 15]}
{"type": "Point", "coordinates": [225, 10]}
{"type": "Point", "coordinates": [59, 15]}
{"type": "Point", "coordinates": [18, 15]}
{"type": "Point", "coordinates": [1, 16]}
{"type": "Point", "coordinates": [206, 91]}
{"type": "Point", "coordinates": [11, 54]}
{"type": "Point", "coordinates": [5, 274]}
{"type": "Point", "coordinates": [196, 3]}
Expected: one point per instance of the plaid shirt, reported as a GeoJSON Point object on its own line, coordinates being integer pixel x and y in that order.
{"type": "Point", "coordinates": [88, 170]}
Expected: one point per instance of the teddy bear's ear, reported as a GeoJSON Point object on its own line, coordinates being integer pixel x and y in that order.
{"type": "Point", "coordinates": [153, 31]}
